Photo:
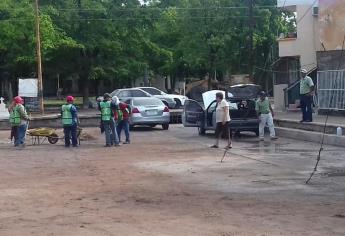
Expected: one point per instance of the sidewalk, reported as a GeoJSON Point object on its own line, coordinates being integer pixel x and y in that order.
{"type": "Point", "coordinates": [288, 125]}
{"type": "Point", "coordinates": [317, 119]}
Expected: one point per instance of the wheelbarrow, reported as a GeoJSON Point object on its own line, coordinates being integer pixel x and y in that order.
{"type": "Point", "coordinates": [40, 135]}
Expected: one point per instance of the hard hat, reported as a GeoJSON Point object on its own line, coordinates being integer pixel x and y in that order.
{"type": "Point", "coordinates": [304, 71]}
{"type": "Point", "coordinates": [18, 100]}
{"type": "Point", "coordinates": [106, 96]}
{"type": "Point", "coordinates": [70, 99]}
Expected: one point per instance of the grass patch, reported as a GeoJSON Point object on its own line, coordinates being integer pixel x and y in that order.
{"type": "Point", "coordinates": [56, 102]}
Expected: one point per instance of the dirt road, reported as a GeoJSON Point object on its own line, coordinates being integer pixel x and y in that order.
{"type": "Point", "coordinates": [171, 183]}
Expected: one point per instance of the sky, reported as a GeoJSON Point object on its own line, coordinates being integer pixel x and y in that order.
{"type": "Point", "coordinates": [280, 3]}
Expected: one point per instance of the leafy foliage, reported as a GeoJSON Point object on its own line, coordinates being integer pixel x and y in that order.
{"type": "Point", "coordinates": [121, 39]}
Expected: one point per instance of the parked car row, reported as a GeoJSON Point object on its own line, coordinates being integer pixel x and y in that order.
{"type": "Point", "coordinates": [172, 101]}
{"type": "Point", "coordinates": [150, 106]}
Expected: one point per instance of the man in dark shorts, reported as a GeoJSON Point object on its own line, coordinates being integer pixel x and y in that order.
{"type": "Point", "coordinates": [222, 120]}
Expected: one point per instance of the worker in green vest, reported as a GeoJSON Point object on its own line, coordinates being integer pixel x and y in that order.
{"type": "Point", "coordinates": [20, 120]}
{"type": "Point", "coordinates": [70, 122]}
{"type": "Point", "coordinates": [108, 122]}
{"type": "Point", "coordinates": [14, 127]}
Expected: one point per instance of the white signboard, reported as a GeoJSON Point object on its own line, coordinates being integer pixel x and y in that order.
{"type": "Point", "coordinates": [3, 110]}
{"type": "Point", "coordinates": [28, 88]}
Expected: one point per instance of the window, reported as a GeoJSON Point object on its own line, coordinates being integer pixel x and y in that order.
{"type": "Point", "coordinates": [124, 93]}
{"type": "Point", "coordinates": [212, 107]}
{"type": "Point", "coordinates": [139, 93]}
{"type": "Point", "coordinates": [193, 107]}
{"type": "Point", "coordinates": [152, 91]}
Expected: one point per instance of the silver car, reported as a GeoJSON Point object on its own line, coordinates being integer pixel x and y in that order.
{"type": "Point", "coordinates": [171, 100]}
{"type": "Point", "coordinates": [149, 111]}
{"type": "Point", "coordinates": [125, 94]}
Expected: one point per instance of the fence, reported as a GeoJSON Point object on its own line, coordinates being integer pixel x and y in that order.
{"type": "Point", "coordinates": [331, 90]}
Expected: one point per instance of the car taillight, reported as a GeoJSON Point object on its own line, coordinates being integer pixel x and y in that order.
{"type": "Point", "coordinates": [135, 110]}
{"type": "Point", "coordinates": [166, 109]}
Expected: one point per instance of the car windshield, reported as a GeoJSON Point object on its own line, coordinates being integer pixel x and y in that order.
{"type": "Point", "coordinates": [152, 91]}
{"type": "Point", "coordinates": [147, 102]}
{"type": "Point", "coordinates": [123, 93]}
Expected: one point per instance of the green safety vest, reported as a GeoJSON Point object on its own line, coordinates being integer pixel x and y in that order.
{"type": "Point", "coordinates": [105, 111]}
{"type": "Point", "coordinates": [120, 115]}
{"type": "Point", "coordinates": [15, 116]}
{"type": "Point", "coordinates": [67, 118]}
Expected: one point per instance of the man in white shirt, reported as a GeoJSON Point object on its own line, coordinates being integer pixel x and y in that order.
{"type": "Point", "coordinates": [222, 120]}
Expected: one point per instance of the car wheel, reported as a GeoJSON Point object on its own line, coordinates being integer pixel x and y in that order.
{"type": "Point", "coordinates": [201, 131]}
{"type": "Point", "coordinates": [165, 126]}
{"type": "Point", "coordinates": [178, 104]}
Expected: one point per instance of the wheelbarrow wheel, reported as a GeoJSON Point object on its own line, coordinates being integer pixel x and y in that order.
{"type": "Point", "coordinates": [53, 139]}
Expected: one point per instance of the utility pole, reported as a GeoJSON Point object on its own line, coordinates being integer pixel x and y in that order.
{"type": "Point", "coordinates": [39, 59]}
{"type": "Point", "coordinates": [251, 38]}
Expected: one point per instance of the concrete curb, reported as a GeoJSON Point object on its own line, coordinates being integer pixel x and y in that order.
{"type": "Point", "coordinates": [316, 137]}
{"type": "Point", "coordinates": [314, 126]}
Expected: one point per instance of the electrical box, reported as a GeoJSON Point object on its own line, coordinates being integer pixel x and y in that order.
{"type": "Point", "coordinates": [315, 11]}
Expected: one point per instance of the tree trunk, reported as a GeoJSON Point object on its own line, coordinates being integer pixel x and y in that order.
{"type": "Point", "coordinates": [86, 93]}
{"type": "Point", "coordinates": [172, 83]}
{"type": "Point", "coordinates": [100, 88]}
{"type": "Point", "coordinates": [146, 78]}
{"type": "Point", "coordinates": [10, 90]}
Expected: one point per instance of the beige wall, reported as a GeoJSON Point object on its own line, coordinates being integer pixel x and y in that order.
{"type": "Point", "coordinates": [307, 36]}
{"type": "Point", "coordinates": [307, 42]}
{"type": "Point", "coordinates": [332, 23]}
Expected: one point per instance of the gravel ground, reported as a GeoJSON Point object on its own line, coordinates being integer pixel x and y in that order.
{"type": "Point", "coordinates": [171, 183]}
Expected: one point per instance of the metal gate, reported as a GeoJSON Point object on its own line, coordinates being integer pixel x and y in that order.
{"type": "Point", "coordinates": [331, 90]}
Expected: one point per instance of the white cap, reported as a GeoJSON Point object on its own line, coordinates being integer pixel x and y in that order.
{"type": "Point", "coordinates": [116, 100]}
{"type": "Point", "coordinates": [304, 71]}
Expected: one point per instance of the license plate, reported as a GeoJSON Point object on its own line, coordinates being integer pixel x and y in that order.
{"type": "Point", "coordinates": [151, 112]}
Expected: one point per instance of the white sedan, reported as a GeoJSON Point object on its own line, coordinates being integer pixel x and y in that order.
{"type": "Point", "coordinates": [179, 99]}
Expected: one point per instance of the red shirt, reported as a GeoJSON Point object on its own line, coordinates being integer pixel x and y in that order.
{"type": "Point", "coordinates": [125, 110]}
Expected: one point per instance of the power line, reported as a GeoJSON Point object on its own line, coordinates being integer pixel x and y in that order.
{"type": "Point", "coordinates": [128, 18]}
{"type": "Point", "coordinates": [312, 5]}
{"type": "Point", "coordinates": [145, 8]}
{"type": "Point", "coordinates": [284, 72]}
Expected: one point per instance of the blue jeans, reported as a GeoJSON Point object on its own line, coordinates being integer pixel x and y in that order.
{"type": "Point", "coordinates": [114, 137]}
{"type": "Point", "coordinates": [70, 131]}
{"type": "Point", "coordinates": [20, 138]}
{"type": "Point", "coordinates": [306, 107]}
{"type": "Point", "coordinates": [110, 132]}
{"type": "Point", "coordinates": [123, 124]}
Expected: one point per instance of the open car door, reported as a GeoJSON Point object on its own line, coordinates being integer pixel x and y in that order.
{"type": "Point", "coordinates": [193, 114]}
